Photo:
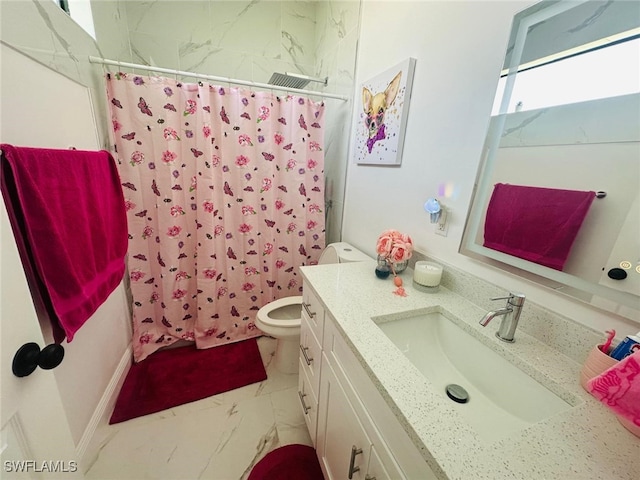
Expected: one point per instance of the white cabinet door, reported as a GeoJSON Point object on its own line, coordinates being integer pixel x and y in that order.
{"type": "Point", "coordinates": [343, 445]}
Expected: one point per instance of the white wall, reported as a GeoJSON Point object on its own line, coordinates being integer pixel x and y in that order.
{"type": "Point", "coordinates": [459, 47]}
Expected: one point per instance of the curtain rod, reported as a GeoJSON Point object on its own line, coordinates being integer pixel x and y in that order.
{"type": "Point", "coordinates": [267, 86]}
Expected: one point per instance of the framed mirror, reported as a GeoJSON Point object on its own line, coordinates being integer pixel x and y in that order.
{"type": "Point", "coordinates": [557, 196]}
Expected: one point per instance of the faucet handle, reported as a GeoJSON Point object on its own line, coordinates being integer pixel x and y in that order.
{"type": "Point", "coordinates": [500, 298]}
{"type": "Point", "coordinates": [514, 298]}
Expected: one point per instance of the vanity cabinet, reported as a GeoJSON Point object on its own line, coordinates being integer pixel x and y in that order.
{"type": "Point", "coordinates": [355, 434]}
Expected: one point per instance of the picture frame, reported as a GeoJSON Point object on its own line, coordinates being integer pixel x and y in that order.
{"type": "Point", "coordinates": [381, 115]}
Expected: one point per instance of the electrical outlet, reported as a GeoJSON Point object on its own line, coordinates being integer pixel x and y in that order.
{"type": "Point", "coordinates": [442, 227]}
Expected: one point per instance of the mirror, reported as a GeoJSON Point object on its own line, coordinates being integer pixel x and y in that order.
{"type": "Point", "coordinates": [565, 126]}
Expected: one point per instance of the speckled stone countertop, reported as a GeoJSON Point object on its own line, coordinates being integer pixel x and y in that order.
{"type": "Point", "coordinates": [584, 442]}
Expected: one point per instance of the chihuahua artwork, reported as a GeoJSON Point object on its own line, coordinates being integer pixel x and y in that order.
{"type": "Point", "coordinates": [380, 133]}
{"type": "Point", "coordinates": [374, 108]}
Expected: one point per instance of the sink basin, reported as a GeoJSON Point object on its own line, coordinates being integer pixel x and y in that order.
{"type": "Point", "coordinates": [501, 398]}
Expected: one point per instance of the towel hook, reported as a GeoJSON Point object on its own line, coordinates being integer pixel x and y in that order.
{"type": "Point", "coordinates": [601, 194]}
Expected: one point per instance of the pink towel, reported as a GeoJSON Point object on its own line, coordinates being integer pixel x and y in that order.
{"type": "Point", "coordinates": [619, 388]}
{"type": "Point", "coordinates": [533, 223]}
{"type": "Point", "coordinates": [67, 213]}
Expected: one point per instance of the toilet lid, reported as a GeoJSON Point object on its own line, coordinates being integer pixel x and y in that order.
{"type": "Point", "coordinates": [341, 252]}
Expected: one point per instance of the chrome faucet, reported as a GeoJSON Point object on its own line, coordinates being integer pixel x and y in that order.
{"type": "Point", "coordinates": [510, 315]}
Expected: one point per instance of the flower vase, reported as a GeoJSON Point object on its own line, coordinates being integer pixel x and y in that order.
{"type": "Point", "coordinates": [400, 267]}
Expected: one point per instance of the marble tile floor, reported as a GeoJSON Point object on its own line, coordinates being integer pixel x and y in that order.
{"type": "Point", "coordinates": [217, 438]}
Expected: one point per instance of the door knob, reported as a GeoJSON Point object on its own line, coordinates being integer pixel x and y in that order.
{"type": "Point", "coordinates": [29, 357]}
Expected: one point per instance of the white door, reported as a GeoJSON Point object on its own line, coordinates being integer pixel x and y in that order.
{"type": "Point", "coordinates": [36, 440]}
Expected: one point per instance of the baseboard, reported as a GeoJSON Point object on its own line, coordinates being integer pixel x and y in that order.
{"type": "Point", "coordinates": [105, 406]}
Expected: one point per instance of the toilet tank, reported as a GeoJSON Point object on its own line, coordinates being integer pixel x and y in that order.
{"type": "Point", "coordinates": [341, 252]}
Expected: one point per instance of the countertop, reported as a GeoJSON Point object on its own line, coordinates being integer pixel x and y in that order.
{"type": "Point", "coordinates": [584, 442]}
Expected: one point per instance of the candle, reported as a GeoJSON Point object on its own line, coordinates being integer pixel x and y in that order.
{"type": "Point", "coordinates": [427, 274]}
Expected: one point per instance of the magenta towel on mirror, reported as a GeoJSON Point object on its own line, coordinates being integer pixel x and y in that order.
{"type": "Point", "coordinates": [619, 388]}
{"type": "Point", "coordinates": [534, 223]}
{"type": "Point", "coordinates": [67, 213]}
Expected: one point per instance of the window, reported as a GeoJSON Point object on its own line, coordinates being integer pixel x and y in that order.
{"type": "Point", "coordinates": [599, 72]}
{"type": "Point", "coordinates": [80, 12]}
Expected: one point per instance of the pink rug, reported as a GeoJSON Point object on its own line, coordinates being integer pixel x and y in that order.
{"type": "Point", "coordinates": [290, 462]}
{"type": "Point", "coordinates": [172, 377]}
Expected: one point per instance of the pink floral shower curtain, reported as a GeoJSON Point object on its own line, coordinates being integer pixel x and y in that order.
{"type": "Point", "coordinates": [224, 194]}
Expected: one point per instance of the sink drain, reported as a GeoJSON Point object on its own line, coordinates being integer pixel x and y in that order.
{"type": "Point", "coordinates": [457, 393]}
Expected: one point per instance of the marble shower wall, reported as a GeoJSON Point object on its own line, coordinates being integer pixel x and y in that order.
{"type": "Point", "coordinates": [336, 39]}
{"type": "Point", "coordinates": [248, 40]}
{"type": "Point", "coordinates": [240, 39]}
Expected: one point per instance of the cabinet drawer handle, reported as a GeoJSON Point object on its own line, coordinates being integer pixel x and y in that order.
{"type": "Point", "coordinates": [306, 307]}
{"type": "Point", "coordinates": [304, 407]}
{"type": "Point", "coordinates": [304, 354]}
{"type": "Point", "coordinates": [352, 468]}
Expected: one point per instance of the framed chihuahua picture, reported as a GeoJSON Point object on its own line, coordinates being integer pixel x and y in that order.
{"type": "Point", "coordinates": [382, 107]}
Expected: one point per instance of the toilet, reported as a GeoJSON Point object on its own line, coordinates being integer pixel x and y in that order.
{"type": "Point", "coordinates": [281, 318]}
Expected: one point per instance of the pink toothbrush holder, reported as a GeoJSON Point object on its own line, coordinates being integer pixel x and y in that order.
{"type": "Point", "coordinates": [597, 362]}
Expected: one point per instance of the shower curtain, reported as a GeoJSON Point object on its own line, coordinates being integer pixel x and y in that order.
{"type": "Point", "coordinates": [224, 196]}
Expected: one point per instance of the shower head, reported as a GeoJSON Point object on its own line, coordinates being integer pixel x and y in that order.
{"type": "Point", "coordinates": [294, 80]}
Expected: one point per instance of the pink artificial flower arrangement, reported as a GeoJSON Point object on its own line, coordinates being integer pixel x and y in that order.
{"type": "Point", "coordinates": [394, 247]}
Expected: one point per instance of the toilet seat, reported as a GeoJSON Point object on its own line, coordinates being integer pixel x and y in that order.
{"type": "Point", "coordinates": [264, 317]}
